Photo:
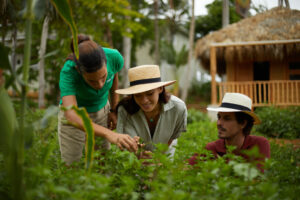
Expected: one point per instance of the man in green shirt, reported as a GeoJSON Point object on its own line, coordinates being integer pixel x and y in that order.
{"type": "Point", "coordinates": [86, 82]}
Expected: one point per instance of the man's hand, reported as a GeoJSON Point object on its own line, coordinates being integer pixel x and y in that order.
{"type": "Point", "coordinates": [112, 120]}
{"type": "Point", "coordinates": [123, 141]}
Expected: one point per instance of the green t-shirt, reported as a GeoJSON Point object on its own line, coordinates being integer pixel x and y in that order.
{"type": "Point", "coordinates": [71, 82]}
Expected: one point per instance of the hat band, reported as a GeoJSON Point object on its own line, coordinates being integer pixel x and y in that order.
{"type": "Point", "coordinates": [144, 81]}
{"type": "Point", "coordinates": [235, 106]}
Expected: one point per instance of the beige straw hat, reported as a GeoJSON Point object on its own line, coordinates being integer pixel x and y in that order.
{"type": "Point", "coordinates": [236, 102]}
{"type": "Point", "coordinates": [144, 78]}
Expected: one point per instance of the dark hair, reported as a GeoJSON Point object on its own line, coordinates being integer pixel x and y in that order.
{"type": "Point", "coordinates": [132, 107]}
{"type": "Point", "coordinates": [241, 117]}
{"type": "Point", "coordinates": [91, 55]}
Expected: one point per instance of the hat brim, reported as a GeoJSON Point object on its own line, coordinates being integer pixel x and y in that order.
{"type": "Point", "coordinates": [223, 109]}
{"type": "Point", "coordinates": [143, 87]}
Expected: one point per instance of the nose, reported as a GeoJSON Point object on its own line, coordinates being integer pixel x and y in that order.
{"type": "Point", "coordinates": [101, 83]}
{"type": "Point", "coordinates": [219, 122]}
{"type": "Point", "coordinates": [144, 99]}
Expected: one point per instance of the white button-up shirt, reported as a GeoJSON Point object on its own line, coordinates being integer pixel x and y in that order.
{"type": "Point", "coordinates": [172, 121]}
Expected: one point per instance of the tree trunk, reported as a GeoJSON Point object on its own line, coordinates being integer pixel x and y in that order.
{"type": "Point", "coordinates": [108, 33]}
{"type": "Point", "coordinates": [13, 52]}
{"type": "Point", "coordinates": [187, 79]}
{"type": "Point", "coordinates": [41, 64]}
{"type": "Point", "coordinates": [156, 30]}
{"type": "Point", "coordinates": [127, 57]}
{"type": "Point", "coordinates": [225, 13]}
{"type": "Point", "coordinates": [127, 61]}
{"type": "Point", "coordinates": [287, 4]}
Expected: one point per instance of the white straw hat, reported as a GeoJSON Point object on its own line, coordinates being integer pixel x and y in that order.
{"type": "Point", "coordinates": [144, 78]}
{"type": "Point", "coordinates": [236, 102]}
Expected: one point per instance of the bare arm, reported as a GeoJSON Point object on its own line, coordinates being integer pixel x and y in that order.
{"type": "Point", "coordinates": [121, 140]}
{"type": "Point", "coordinates": [114, 99]}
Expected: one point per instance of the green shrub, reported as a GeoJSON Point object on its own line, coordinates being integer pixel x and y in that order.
{"type": "Point", "coordinates": [120, 175]}
{"type": "Point", "coordinates": [279, 122]}
{"type": "Point", "coordinates": [201, 90]}
{"type": "Point", "coordinates": [196, 116]}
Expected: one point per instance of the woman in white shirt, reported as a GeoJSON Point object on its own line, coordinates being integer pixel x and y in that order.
{"type": "Point", "coordinates": [148, 111]}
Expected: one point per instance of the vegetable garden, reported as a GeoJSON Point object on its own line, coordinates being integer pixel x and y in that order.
{"type": "Point", "coordinates": [120, 175]}
{"type": "Point", "coordinates": [31, 168]}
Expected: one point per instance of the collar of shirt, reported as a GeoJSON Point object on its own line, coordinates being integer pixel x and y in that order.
{"type": "Point", "coordinates": [221, 147]}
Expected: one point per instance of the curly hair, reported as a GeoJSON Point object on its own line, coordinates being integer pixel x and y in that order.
{"type": "Point", "coordinates": [91, 55]}
{"type": "Point", "coordinates": [241, 117]}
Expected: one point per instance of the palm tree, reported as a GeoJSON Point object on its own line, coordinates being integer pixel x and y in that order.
{"type": "Point", "coordinates": [191, 43]}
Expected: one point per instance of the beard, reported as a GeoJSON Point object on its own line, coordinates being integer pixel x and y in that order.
{"type": "Point", "coordinates": [220, 131]}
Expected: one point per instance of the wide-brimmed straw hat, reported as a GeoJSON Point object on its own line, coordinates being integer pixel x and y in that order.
{"type": "Point", "coordinates": [236, 102]}
{"type": "Point", "coordinates": [144, 78]}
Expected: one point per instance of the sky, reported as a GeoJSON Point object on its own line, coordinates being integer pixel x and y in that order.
{"type": "Point", "coordinates": [201, 10]}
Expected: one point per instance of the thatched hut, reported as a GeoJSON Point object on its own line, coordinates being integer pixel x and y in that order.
{"type": "Point", "coordinates": [257, 51]}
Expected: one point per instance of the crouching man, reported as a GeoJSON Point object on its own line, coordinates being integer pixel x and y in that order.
{"type": "Point", "coordinates": [235, 121]}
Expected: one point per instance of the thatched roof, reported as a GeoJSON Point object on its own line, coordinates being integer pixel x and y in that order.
{"type": "Point", "coordinates": [275, 24]}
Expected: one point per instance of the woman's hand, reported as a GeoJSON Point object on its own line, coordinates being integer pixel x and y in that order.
{"type": "Point", "coordinates": [123, 141]}
{"type": "Point", "coordinates": [112, 120]}
{"type": "Point", "coordinates": [145, 155]}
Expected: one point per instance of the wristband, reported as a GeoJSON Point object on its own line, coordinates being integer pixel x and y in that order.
{"type": "Point", "coordinates": [112, 110]}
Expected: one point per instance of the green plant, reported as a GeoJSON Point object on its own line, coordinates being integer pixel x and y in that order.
{"type": "Point", "coordinates": [120, 175]}
{"type": "Point", "coordinates": [279, 122]}
{"type": "Point", "coordinates": [196, 116]}
{"type": "Point", "coordinates": [90, 135]}
{"type": "Point", "coordinates": [200, 90]}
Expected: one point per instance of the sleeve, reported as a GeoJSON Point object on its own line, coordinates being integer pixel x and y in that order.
{"type": "Point", "coordinates": [118, 61]}
{"type": "Point", "coordinates": [211, 146]}
{"type": "Point", "coordinates": [124, 124]}
{"type": "Point", "coordinates": [67, 82]}
{"type": "Point", "coordinates": [194, 159]}
{"type": "Point", "coordinates": [264, 148]}
{"type": "Point", "coordinates": [181, 123]}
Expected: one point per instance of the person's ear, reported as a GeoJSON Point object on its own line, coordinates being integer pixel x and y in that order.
{"type": "Point", "coordinates": [160, 89]}
{"type": "Point", "coordinates": [244, 124]}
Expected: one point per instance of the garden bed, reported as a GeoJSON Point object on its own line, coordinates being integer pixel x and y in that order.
{"type": "Point", "coordinates": [295, 143]}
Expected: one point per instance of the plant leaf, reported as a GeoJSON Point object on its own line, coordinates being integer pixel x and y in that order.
{"type": "Point", "coordinates": [89, 130]}
{"type": "Point", "coordinates": [64, 9]}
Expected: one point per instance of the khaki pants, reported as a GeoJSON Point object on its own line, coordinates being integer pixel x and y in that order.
{"type": "Point", "coordinates": [72, 140]}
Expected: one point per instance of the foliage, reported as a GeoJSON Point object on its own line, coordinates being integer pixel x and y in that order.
{"type": "Point", "coordinates": [120, 175]}
{"type": "Point", "coordinates": [65, 11]}
{"type": "Point", "coordinates": [196, 116]}
{"type": "Point", "coordinates": [213, 20]}
{"type": "Point", "coordinates": [90, 135]}
{"type": "Point", "coordinates": [169, 53]}
{"type": "Point", "coordinates": [279, 122]}
{"type": "Point", "coordinates": [200, 90]}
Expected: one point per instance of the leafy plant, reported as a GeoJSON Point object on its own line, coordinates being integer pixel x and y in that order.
{"type": "Point", "coordinates": [89, 130]}
{"type": "Point", "coordinates": [200, 90]}
{"type": "Point", "coordinates": [279, 122]}
{"type": "Point", "coordinates": [120, 175]}
{"type": "Point", "coordinates": [196, 116]}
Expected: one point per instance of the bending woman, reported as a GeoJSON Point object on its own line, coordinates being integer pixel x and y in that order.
{"type": "Point", "coordinates": [149, 111]}
{"type": "Point", "coordinates": [86, 82]}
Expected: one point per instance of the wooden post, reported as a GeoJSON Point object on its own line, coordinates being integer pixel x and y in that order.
{"type": "Point", "coordinates": [221, 89]}
{"type": "Point", "coordinates": [213, 69]}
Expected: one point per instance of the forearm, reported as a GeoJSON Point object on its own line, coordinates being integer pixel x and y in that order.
{"type": "Point", "coordinates": [114, 97]}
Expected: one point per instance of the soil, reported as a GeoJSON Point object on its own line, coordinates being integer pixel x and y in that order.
{"type": "Point", "coordinates": [282, 142]}
{"type": "Point", "coordinates": [197, 106]}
